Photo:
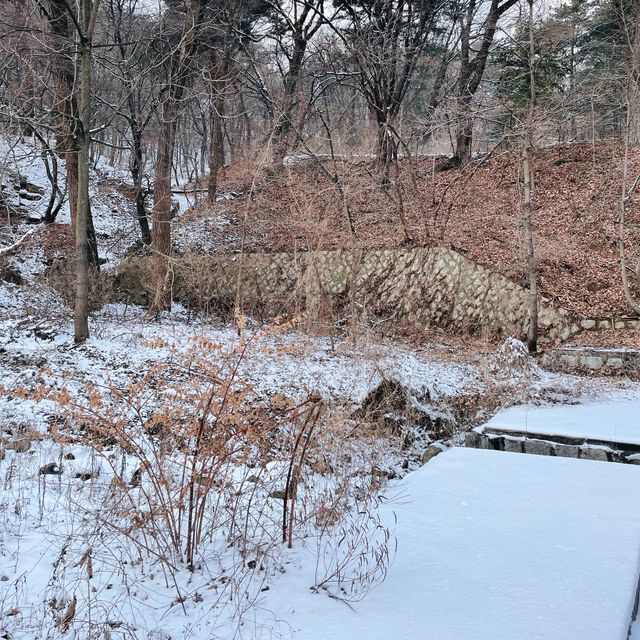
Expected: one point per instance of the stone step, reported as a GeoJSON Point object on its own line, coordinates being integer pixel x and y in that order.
{"type": "Point", "coordinates": [578, 359]}
{"type": "Point", "coordinates": [561, 446]}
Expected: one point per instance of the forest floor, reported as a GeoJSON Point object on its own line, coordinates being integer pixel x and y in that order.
{"type": "Point", "coordinates": [100, 463]}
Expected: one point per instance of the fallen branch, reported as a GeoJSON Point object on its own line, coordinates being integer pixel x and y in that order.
{"type": "Point", "coordinates": [17, 243]}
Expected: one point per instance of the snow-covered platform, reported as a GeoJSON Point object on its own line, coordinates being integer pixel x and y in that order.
{"type": "Point", "coordinates": [496, 546]}
{"type": "Point", "coordinates": [605, 430]}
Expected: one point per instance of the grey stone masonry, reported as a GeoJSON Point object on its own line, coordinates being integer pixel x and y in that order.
{"type": "Point", "coordinates": [424, 286]}
{"type": "Point", "coordinates": [625, 361]}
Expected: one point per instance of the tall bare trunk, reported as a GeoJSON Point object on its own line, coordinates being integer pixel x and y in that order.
{"type": "Point", "coordinates": [283, 124]}
{"type": "Point", "coordinates": [216, 145]}
{"type": "Point", "coordinates": [532, 336]}
{"type": "Point", "coordinates": [627, 193]}
{"type": "Point", "coordinates": [161, 235]}
{"type": "Point", "coordinates": [66, 110]}
{"type": "Point", "coordinates": [171, 110]}
{"type": "Point", "coordinates": [136, 174]}
{"type": "Point", "coordinates": [471, 70]}
{"type": "Point", "coordinates": [81, 315]}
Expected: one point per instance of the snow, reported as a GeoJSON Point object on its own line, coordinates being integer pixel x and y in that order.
{"type": "Point", "coordinates": [495, 546]}
{"type": "Point", "coordinates": [291, 363]}
{"type": "Point", "coordinates": [610, 420]}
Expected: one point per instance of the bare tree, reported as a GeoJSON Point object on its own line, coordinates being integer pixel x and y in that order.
{"type": "Point", "coordinates": [630, 22]}
{"type": "Point", "coordinates": [473, 62]}
{"type": "Point", "coordinates": [85, 25]}
{"type": "Point", "coordinates": [174, 92]}
{"type": "Point", "coordinates": [67, 43]}
{"type": "Point", "coordinates": [296, 24]}
{"type": "Point", "coordinates": [385, 39]}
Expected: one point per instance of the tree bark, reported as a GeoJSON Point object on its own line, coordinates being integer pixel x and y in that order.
{"type": "Point", "coordinates": [161, 234]}
{"type": "Point", "coordinates": [216, 146]}
{"type": "Point", "coordinates": [284, 119]}
{"type": "Point", "coordinates": [627, 193]}
{"type": "Point", "coordinates": [136, 174]}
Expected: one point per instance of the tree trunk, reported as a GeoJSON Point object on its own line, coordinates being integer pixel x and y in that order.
{"type": "Point", "coordinates": [171, 110]}
{"type": "Point", "coordinates": [136, 174]}
{"type": "Point", "coordinates": [216, 145]}
{"type": "Point", "coordinates": [161, 235]}
{"type": "Point", "coordinates": [81, 315]}
{"type": "Point", "coordinates": [464, 132]}
{"type": "Point", "coordinates": [532, 336]}
{"type": "Point", "coordinates": [386, 143]}
{"type": "Point", "coordinates": [66, 109]}
{"type": "Point", "coordinates": [472, 71]}
{"type": "Point", "coordinates": [284, 120]}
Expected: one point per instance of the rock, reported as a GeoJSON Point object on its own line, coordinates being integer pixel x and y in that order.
{"type": "Point", "coordinates": [19, 445]}
{"type": "Point", "coordinates": [592, 362]}
{"type": "Point", "coordinates": [27, 195]}
{"type": "Point", "coordinates": [515, 446]}
{"type": "Point", "coordinates": [69, 456]}
{"type": "Point", "coordinates": [136, 477]}
{"type": "Point", "coordinates": [512, 360]}
{"type": "Point", "coordinates": [11, 275]}
{"type": "Point", "coordinates": [278, 494]}
{"type": "Point", "coordinates": [50, 469]}
{"type": "Point", "coordinates": [87, 475]}
{"type": "Point", "coordinates": [538, 447]}
{"type": "Point", "coordinates": [567, 450]}
{"type": "Point", "coordinates": [432, 451]}
{"type": "Point", "coordinates": [594, 453]}
{"type": "Point", "coordinates": [393, 406]}
{"type": "Point", "coordinates": [474, 440]}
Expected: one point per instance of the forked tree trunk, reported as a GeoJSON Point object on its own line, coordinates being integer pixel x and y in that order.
{"type": "Point", "coordinates": [283, 125]}
{"type": "Point", "coordinates": [471, 70]}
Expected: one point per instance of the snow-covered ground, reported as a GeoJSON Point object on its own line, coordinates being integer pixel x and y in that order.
{"type": "Point", "coordinates": [610, 420]}
{"type": "Point", "coordinates": [494, 546]}
{"type": "Point", "coordinates": [490, 545]}
{"type": "Point", "coordinates": [480, 545]}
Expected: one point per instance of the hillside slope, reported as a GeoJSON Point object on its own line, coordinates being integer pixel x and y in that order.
{"type": "Point", "coordinates": [475, 210]}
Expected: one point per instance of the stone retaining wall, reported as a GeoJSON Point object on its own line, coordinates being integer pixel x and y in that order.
{"type": "Point", "coordinates": [584, 358]}
{"type": "Point", "coordinates": [607, 324]}
{"type": "Point", "coordinates": [425, 286]}
{"type": "Point", "coordinates": [606, 452]}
